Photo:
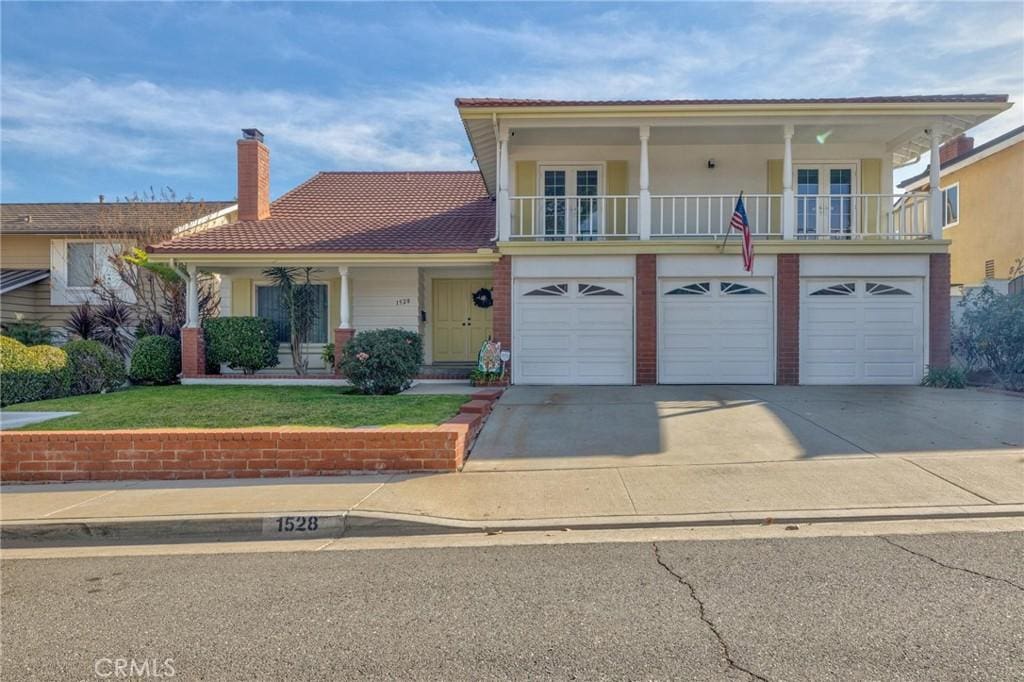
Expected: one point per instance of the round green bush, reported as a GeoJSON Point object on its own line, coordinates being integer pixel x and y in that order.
{"type": "Point", "coordinates": [156, 360]}
{"type": "Point", "coordinates": [29, 373]}
{"type": "Point", "coordinates": [94, 368]}
{"type": "Point", "coordinates": [382, 361]}
{"type": "Point", "coordinates": [245, 343]}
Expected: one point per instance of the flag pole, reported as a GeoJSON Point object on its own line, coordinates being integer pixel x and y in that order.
{"type": "Point", "coordinates": [728, 230]}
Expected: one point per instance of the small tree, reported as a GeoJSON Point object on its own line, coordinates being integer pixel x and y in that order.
{"type": "Point", "coordinates": [300, 303]}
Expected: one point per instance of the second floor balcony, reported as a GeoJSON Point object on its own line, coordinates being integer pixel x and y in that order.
{"type": "Point", "coordinates": [672, 170]}
{"type": "Point", "coordinates": [838, 216]}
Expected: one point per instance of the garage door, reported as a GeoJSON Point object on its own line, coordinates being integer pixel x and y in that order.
{"type": "Point", "coordinates": [716, 331]}
{"type": "Point", "coordinates": [861, 331]}
{"type": "Point", "coordinates": [573, 331]}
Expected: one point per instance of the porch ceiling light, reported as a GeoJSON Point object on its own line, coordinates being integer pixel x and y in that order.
{"type": "Point", "coordinates": [823, 137]}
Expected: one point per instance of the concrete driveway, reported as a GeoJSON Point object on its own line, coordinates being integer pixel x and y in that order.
{"type": "Point", "coordinates": [535, 428]}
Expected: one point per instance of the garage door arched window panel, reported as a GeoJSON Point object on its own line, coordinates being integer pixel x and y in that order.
{"type": "Point", "coordinates": [550, 290]}
{"type": "Point", "coordinates": [879, 289]}
{"type": "Point", "coordinates": [842, 289]}
{"type": "Point", "coordinates": [695, 289]}
{"type": "Point", "coordinates": [596, 290]}
{"type": "Point", "coordinates": [735, 288]}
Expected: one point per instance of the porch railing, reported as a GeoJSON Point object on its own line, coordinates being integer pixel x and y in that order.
{"type": "Point", "coordinates": [707, 216]}
{"type": "Point", "coordinates": [574, 218]}
{"type": "Point", "coordinates": [863, 216]}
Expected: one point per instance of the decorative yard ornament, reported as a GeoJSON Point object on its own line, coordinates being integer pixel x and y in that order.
{"type": "Point", "coordinates": [488, 360]}
{"type": "Point", "coordinates": [482, 298]}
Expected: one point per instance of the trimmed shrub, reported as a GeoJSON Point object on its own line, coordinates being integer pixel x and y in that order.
{"type": "Point", "coordinates": [245, 343]}
{"type": "Point", "coordinates": [94, 368]}
{"type": "Point", "coordinates": [945, 377]}
{"type": "Point", "coordinates": [156, 360]}
{"type": "Point", "coordinates": [28, 333]}
{"type": "Point", "coordinates": [382, 361]}
{"type": "Point", "coordinates": [29, 373]}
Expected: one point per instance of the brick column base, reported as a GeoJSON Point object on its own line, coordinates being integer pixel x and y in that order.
{"type": "Point", "coordinates": [193, 352]}
{"type": "Point", "coordinates": [939, 331]}
{"type": "Point", "coordinates": [501, 311]}
{"type": "Point", "coordinates": [341, 337]}
{"type": "Point", "coordinates": [787, 286]}
{"type": "Point", "coordinates": [646, 318]}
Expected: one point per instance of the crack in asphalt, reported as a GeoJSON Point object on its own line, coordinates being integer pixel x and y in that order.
{"type": "Point", "coordinates": [950, 566]}
{"type": "Point", "coordinates": [733, 665]}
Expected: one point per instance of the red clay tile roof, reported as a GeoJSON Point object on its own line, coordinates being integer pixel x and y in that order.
{"type": "Point", "coordinates": [94, 217]}
{"type": "Point", "coordinates": [362, 212]}
{"type": "Point", "coordinates": [469, 102]}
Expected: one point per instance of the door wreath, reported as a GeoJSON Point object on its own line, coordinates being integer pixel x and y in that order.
{"type": "Point", "coordinates": [482, 298]}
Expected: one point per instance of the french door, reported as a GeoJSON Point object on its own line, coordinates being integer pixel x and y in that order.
{"type": "Point", "coordinates": [571, 202]}
{"type": "Point", "coordinates": [824, 200]}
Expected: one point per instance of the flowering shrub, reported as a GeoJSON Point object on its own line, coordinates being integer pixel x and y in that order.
{"type": "Point", "coordinates": [382, 361]}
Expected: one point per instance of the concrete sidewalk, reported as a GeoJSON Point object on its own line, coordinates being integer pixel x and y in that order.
{"type": "Point", "coordinates": [936, 486]}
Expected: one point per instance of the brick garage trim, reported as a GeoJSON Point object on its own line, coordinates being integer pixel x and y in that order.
{"type": "Point", "coordinates": [184, 454]}
{"type": "Point", "coordinates": [646, 318]}
{"type": "Point", "coordinates": [787, 366]}
{"type": "Point", "coordinates": [939, 331]}
{"type": "Point", "coordinates": [501, 313]}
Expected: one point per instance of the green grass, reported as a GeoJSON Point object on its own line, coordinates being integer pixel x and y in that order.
{"type": "Point", "coordinates": [239, 406]}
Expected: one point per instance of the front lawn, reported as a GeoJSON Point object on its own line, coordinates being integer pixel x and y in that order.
{"type": "Point", "coordinates": [239, 406]}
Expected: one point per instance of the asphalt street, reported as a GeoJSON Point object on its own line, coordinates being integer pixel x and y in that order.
{"type": "Point", "coordinates": [906, 607]}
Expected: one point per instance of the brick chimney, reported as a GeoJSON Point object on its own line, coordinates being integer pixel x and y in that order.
{"type": "Point", "coordinates": [253, 176]}
{"type": "Point", "coordinates": [961, 144]}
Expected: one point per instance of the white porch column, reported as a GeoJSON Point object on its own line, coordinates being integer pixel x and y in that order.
{"type": "Point", "coordinates": [504, 206]}
{"type": "Point", "coordinates": [225, 296]}
{"type": "Point", "coordinates": [645, 184]}
{"type": "Point", "coordinates": [788, 198]}
{"type": "Point", "coordinates": [345, 301]}
{"type": "Point", "coordinates": [192, 298]}
{"type": "Point", "coordinates": [934, 190]}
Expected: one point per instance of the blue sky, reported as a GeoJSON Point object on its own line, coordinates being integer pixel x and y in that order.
{"type": "Point", "coordinates": [115, 98]}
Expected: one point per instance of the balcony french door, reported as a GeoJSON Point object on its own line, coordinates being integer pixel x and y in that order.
{"type": "Point", "coordinates": [571, 203]}
{"type": "Point", "coordinates": [824, 201]}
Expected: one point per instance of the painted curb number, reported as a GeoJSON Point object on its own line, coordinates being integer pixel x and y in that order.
{"type": "Point", "coordinates": [299, 525]}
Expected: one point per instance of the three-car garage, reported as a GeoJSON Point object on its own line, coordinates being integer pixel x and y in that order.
{"type": "Point", "coordinates": [862, 320]}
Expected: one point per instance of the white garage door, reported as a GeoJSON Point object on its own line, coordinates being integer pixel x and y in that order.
{"type": "Point", "coordinates": [573, 331]}
{"type": "Point", "coordinates": [716, 331]}
{"type": "Point", "coordinates": [861, 331]}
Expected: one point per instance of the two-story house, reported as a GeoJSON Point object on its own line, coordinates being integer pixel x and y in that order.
{"type": "Point", "coordinates": [981, 216]}
{"type": "Point", "coordinates": [601, 230]}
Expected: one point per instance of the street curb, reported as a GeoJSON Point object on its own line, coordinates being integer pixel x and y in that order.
{"type": "Point", "coordinates": [338, 524]}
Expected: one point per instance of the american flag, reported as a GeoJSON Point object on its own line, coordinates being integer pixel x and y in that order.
{"type": "Point", "coordinates": [739, 222]}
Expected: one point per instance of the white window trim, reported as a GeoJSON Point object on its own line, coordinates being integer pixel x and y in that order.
{"type": "Point", "coordinates": [60, 292]}
{"type": "Point", "coordinates": [943, 191]}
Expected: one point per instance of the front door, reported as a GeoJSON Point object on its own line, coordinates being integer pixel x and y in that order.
{"type": "Point", "coordinates": [571, 205]}
{"type": "Point", "coordinates": [824, 201]}
{"type": "Point", "coordinates": [459, 326]}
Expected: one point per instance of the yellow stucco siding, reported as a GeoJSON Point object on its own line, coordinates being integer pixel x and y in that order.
{"type": "Point", "coordinates": [25, 251]}
{"type": "Point", "coordinates": [991, 223]}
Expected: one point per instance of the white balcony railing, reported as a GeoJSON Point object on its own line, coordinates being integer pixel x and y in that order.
{"type": "Point", "coordinates": [575, 218]}
{"type": "Point", "coordinates": [707, 216]}
{"type": "Point", "coordinates": [863, 216]}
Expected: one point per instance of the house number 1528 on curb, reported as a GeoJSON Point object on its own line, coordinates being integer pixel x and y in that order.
{"type": "Point", "coordinates": [297, 524]}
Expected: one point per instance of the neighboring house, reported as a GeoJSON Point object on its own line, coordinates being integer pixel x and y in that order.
{"type": "Point", "coordinates": [52, 254]}
{"type": "Point", "coordinates": [599, 228]}
{"type": "Point", "coordinates": [982, 217]}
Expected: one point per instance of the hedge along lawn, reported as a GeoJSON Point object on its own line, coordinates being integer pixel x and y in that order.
{"type": "Point", "coordinates": [240, 406]}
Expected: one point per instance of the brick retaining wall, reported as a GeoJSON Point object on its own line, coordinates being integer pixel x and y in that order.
{"type": "Point", "coordinates": [160, 454]}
